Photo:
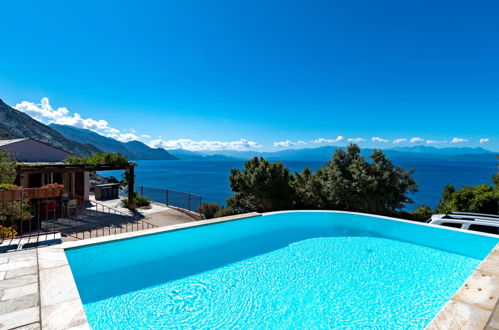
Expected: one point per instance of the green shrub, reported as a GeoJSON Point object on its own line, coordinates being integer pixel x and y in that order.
{"type": "Point", "coordinates": [8, 186]}
{"type": "Point", "coordinates": [478, 199]}
{"type": "Point", "coordinates": [11, 212]}
{"type": "Point", "coordinates": [7, 232]}
{"type": "Point", "coordinates": [422, 213]}
{"type": "Point", "coordinates": [105, 158]}
{"type": "Point", "coordinates": [226, 211]}
{"type": "Point", "coordinates": [7, 167]}
{"type": "Point", "coordinates": [209, 209]}
{"type": "Point", "coordinates": [140, 201]}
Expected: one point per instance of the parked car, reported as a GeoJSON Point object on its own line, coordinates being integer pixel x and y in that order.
{"type": "Point", "coordinates": [486, 223]}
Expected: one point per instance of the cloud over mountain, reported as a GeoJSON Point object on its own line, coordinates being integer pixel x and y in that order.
{"type": "Point", "coordinates": [191, 145]}
{"type": "Point", "coordinates": [45, 113]}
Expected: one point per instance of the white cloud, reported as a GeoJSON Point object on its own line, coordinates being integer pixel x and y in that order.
{"type": "Point", "coordinates": [145, 136]}
{"type": "Point", "coordinates": [44, 113]}
{"type": "Point", "coordinates": [191, 145]}
{"type": "Point", "coordinates": [416, 140]}
{"type": "Point", "coordinates": [378, 139]}
{"type": "Point", "coordinates": [484, 140]}
{"type": "Point", "coordinates": [432, 142]}
{"type": "Point", "coordinates": [356, 140]}
{"type": "Point", "coordinates": [288, 143]}
{"type": "Point", "coordinates": [399, 140]}
{"type": "Point", "coordinates": [323, 140]}
{"type": "Point", "coordinates": [124, 137]}
{"type": "Point", "coordinates": [458, 140]}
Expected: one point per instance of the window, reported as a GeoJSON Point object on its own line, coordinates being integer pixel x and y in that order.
{"type": "Point", "coordinates": [485, 229]}
{"type": "Point", "coordinates": [450, 224]}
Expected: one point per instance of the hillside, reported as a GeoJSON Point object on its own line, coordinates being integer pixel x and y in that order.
{"type": "Point", "coordinates": [133, 149]}
{"type": "Point", "coordinates": [16, 124]}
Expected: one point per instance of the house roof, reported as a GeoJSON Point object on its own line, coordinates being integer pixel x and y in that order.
{"type": "Point", "coordinates": [11, 141]}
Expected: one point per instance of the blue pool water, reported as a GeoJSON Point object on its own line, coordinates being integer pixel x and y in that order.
{"type": "Point", "coordinates": [286, 270]}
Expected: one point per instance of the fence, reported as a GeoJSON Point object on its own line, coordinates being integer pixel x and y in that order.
{"type": "Point", "coordinates": [35, 212]}
{"type": "Point", "coordinates": [178, 199]}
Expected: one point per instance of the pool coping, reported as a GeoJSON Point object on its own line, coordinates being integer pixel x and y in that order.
{"type": "Point", "coordinates": [470, 307]}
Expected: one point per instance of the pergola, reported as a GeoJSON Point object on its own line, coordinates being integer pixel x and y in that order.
{"type": "Point", "coordinates": [25, 168]}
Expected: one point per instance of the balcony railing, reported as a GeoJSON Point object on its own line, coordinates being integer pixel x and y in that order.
{"type": "Point", "coordinates": [173, 198]}
{"type": "Point", "coordinates": [35, 212]}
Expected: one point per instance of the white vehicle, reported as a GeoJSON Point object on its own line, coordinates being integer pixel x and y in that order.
{"type": "Point", "coordinates": [486, 223]}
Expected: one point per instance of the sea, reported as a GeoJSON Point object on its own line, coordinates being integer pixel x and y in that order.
{"type": "Point", "coordinates": [210, 179]}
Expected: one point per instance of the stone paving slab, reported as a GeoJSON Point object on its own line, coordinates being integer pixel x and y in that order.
{"type": "Point", "coordinates": [19, 290]}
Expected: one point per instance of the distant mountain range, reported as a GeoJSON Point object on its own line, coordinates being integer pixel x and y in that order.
{"type": "Point", "coordinates": [16, 124]}
{"type": "Point", "coordinates": [132, 149]}
{"type": "Point", "coordinates": [325, 153]}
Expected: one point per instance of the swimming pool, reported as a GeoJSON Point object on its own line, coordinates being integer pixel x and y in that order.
{"type": "Point", "coordinates": [280, 270]}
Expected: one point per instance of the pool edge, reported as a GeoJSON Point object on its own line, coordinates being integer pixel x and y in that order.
{"type": "Point", "coordinates": [471, 307]}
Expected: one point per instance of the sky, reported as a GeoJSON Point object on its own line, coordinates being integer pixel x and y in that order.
{"type": "Point", "coordinates": [261, 74]}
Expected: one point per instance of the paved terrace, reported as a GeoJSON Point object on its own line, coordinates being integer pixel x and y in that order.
{"type": "Point", "coordinates": [102, 223]}
{"type": "Point", "coordinates": [37, 290]}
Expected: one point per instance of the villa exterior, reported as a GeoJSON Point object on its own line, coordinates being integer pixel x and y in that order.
{"type": "Point", "coordinates": [41, 164]}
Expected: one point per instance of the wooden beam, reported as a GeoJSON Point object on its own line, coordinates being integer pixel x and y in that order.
{"type": "Point", "coordinates": [65, 168]}
{"type": "Point", "coordinates": [131, 188]}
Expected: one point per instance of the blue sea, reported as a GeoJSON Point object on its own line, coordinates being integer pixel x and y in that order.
{"type": "Point", "coordinates": [210, 179]}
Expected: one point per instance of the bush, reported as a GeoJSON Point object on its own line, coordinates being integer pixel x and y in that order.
{"type": "Point", "coordinates": [226, 211]}
{"type": "Point", "coordinates": [422, 213]}
{"type": "Point", "coordinates": [7, 232]}
{"type": "Point", "coordinates": [105, 158]}
{"type": "Point", "coordinates": [140, 201]}
{"type": "Point", "coordinates": [8, 186]}
{"type": "Point", "coordinates": [478, 199]}
{"type": "Point", "coordinates": [7, 167]}
{"type": "Point", "coordinates": [12, 212]}
{"type": "Point", "coordinates": [209, 209]}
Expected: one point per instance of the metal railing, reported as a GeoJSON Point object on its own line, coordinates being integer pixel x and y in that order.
{"type": "Point", "coordinates": [173, 198]}
{"type": "Point", "coordinates": [35, 212]}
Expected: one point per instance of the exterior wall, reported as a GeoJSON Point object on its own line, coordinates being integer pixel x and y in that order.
{"type": "Point", "coordinates": [34, 151]}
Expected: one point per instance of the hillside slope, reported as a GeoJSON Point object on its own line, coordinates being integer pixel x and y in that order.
{"type": "Point", "coordinates": [133, 150]}
{"type": "Point", "coordinates": [16, 124]}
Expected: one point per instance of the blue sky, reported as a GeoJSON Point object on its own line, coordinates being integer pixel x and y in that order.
{"type": "Point", "coordinates": [251, 74]}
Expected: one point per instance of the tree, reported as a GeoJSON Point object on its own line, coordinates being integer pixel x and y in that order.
{"type": "Point", "coordinates": [261, 186]}
{"type": "Point", "coordinates": [308, 190]}
{"type": "Point", "coordinates": [352, 183]}
{"type": "Point", "coordinates": [8, 171]}
{"type": "Point", "coordinates": [477, 199]}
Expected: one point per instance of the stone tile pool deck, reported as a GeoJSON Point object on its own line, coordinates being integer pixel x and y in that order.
{"type": "Point", "coordinates": [37, 289]}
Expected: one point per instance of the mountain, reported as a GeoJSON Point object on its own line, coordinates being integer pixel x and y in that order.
{"type": "Point", "coordinates": [443, 151]}
{"type": "Point", "coordinates": [324, 153]}
{"type": "Point", "coordinates": [133, 150]}
{"type": "Point", "coordinates": [192, 155]}
{"type": "Point", "coordinates": [16, 124]}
